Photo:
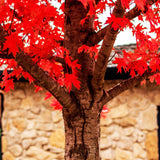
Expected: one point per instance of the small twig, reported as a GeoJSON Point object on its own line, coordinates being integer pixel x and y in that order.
{"type": "Point", "coordinates": [24, 36]}
{"type": "Point", "coordinates": [4, 54]}
{"type": "Point", "coordinates": [9, 28]}
{"type": "Point", "coordinates": [57, 59]}
{"type": "Point", "coordinates": [61, 42]}
{"type": "Point", "coordinates": [112, 1]}
{"type": "Point", "coordinates": [110, 59]}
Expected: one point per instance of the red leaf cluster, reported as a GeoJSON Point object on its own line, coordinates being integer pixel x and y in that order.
{"type": "Point", "coordinates": [117, 22]}
{"type": "Point", "coordinates": [56, 105]}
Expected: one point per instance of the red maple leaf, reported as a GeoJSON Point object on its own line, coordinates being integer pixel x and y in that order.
{"type": "Point", "coordinates": [38, 88]}
{"type": "Point", "coordinates": [125, 3]}
{"type": "Point", "coordinates": [7, 81]}
{"type": "Point", "coordinates": [86, 2]}
{"type": "Point", "coordinates": [140, 4]}
{"type": "Point", "coordinates": [9, 85]}
{"type": "Point", "coordinates": [117, 22]}
{"type": "Point", "coordinates": [13, 43]}
{"type": "Point", "coordinates": [71, 79]}
{"type": "Point", "coordinates": [56, 105]}
{"type": "Point", "coordinates": [48, 95]}
{"type": "Point", "coordinates": [121, 63]}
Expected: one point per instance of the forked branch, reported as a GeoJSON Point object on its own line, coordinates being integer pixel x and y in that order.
{"type": "Point", "coordinates": [94, 39]}
{"type": "Point", "coordinates": [108, 42]}
{"type": "Point", "coordinates": [105, 51]}
{"type": "Point", "coordinates": [133, 13]}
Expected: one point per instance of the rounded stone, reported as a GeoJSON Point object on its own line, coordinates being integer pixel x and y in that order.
{"type": "Point", "coordinates": [8, 156]}
{"type": "Point", "coordinates": [151, 145]}
{"type": "Point", "coordinates": [19, 123]}
{"type": "Point", "coordinates": [57, 139]}
{"type": "Point", "coordinates": [4, 144]}
{"type": "Point", "coordinates": [123, 155]}
{"type": "Point", "coordinates": [119, 112]}
{"type": "Point", "coordinates": [16, 150]}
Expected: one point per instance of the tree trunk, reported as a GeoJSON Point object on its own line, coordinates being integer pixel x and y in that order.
{"type": "Point", "coordinates": [82, 134]}
{"type": "Point", "coordinates": [82, 131]}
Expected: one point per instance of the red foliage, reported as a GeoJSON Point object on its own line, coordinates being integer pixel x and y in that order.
{"type": "Point", "coordinates": [36, 26]}
{"type": "Point", "coordinates": [71, 79]}
{"type": "Point", "coordinates": [13, 42]}
{"type": "Point", "coordinates": [56, 105]}
{"type": "Point", "coordinates": [104, 112]}
{"type": "Point", "coordinates": [117, 22]}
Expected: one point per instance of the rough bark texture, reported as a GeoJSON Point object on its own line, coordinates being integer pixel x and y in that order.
{"type": "Point", "coordinates": [82, 131]}
{"type": "Point", "coordinates": [82, 136]}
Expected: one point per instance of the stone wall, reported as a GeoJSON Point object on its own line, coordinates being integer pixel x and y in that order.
{"type": "Point", "coordinates": [34, 131]}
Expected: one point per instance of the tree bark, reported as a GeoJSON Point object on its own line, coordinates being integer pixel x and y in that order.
{"type": "Point", "coordinates": [82, 135]}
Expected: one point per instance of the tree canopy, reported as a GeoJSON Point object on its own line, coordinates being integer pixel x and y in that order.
{"type": "Point", "coordinates": [34, 45]}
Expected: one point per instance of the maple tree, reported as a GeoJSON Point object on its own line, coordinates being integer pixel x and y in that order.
{"type": "Point", "coordinates": [58, 49]}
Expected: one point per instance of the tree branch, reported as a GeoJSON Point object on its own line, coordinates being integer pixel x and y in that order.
{"type": "Point", "coordinates": [97, 1]}
{"type": "Point", "coordinates": [133, 13]}
{"type": "Point", "coordinates": [95, 38]}
{"type": "Point", "coordinates": [4, 55]}
{"type": "Point", "coordinates": [42, 79]}
{"type": "Point", "coordinates": [58, 59]}
{"type": "Point", "coordinates": [107, 45]}
{"type": "Point", "coordinates": [105, 51]}
{"type": "Point", "coordinates": [124, 85]}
